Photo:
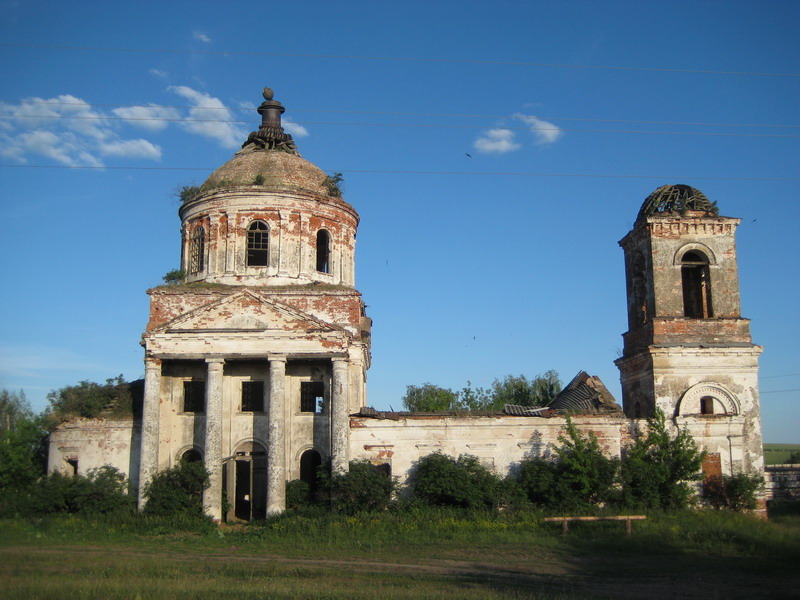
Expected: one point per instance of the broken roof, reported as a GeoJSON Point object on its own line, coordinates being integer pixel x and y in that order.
{"type": "Point", "coordinates": [585, 394]}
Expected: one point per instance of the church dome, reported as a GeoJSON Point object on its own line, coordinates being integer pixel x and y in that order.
{"type": "Point", "coordinates": [677, 199]}
{"type": "Point", "coordinates": [269, 159]}
{"type": "Point", "coordinates": [272, 170]}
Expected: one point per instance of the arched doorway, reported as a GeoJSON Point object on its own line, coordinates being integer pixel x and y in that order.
{"type": "Point", "coordinates": [310, 461]}
{"type": "Point", "coordinates": [246, 482]}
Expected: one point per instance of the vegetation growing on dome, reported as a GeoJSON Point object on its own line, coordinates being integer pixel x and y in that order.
{"type": "Point", "coordinates": [332, 184]}
{"type": "Point", "coordinates": [188, 192]}
{"type": "Point", "coordinates": [174, 277]}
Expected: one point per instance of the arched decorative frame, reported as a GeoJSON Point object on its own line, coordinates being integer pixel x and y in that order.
{"type": "Point", "coordinates": [694, 247]}
{"type": "Point", "coordinates": [241, 446]}
{"type": "Point", "coordinates": [308, 447]}
{"type": "Point", "coordinates": [690, 402]}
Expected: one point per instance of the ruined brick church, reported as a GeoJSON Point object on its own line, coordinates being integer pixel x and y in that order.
{"type": "Point", "coordinates": [256, 363]}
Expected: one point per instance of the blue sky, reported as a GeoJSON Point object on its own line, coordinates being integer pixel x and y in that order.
{"type": "Point", "coordinates": [495, 151]}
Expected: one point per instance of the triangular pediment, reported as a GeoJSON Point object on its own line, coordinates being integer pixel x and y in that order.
{"type": "Point", "coordinates": [246, 311]}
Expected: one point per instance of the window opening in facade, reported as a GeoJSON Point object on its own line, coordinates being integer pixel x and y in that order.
{"type": "Point", "coordinates": [72, 470]}
{"type": "Point", "coordinates": [323, 251]}
{"type": "Point", "coordinates": [696, 281]}
{"type": "Point", "coordinates": [197, 250]}
{"type": "Point", "coordinates": [312, 396]}
{"type": "Point", "coordinates": [252, 396]}
{"type": "Point", "coordinates": [258, 244]}
{"type": "Point", "coordinates": [194, 396]}
{"type": "Point", "coordinates": [706, 405]}
{"type": "Point", "coordinates": [192, 455]}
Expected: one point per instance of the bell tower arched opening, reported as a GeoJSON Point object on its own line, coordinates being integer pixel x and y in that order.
{"type": "Point", "coordinates": [696, 285]}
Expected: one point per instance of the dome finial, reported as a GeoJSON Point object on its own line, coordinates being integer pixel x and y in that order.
{"type": "Point", "coordinates": [270, 136]}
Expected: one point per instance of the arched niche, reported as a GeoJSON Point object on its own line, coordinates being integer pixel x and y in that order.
{"type": "Point", "coordinates": [707, 399]}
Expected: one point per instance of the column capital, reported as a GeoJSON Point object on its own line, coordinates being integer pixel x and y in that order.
{"type": "Point", "coordinates": [151, 362]}
{"type": "Point", "coordinates": [277, 358]}
{"type": "Point", "coordinates": [215, 362]}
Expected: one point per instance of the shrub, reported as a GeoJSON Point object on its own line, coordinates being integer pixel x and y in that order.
{"type": "Point", "coordinates": [364, 487]}
{"type": "Point", "coordinates": [177, 491]}
{"type": "Point", "coordinates": [440, 480]}
{"type": "Point", "coordinates": [174, 277]}
{"type": "Point", "coordinates": [298, 494]}
{"type": "Point", "coordinates": [88, 399]}
{"type": "Point", "coordinates": [657, 468]}
{"type": "Point", "coordinates": [188, 192]}
{"type": "Point", "coordinates": [733, 492]}
{"type": "Point", "coordinates": [538, 480]}
{"type": "Point", "coordinates": [103, 491]}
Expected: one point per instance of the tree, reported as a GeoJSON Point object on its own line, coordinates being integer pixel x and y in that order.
{"type": "Point", "coordinates": [520, 390]}
{"type": "Point", "coordinates": [23, 443]}
{"type": "Point", "coordinates": [512, 389]}
{"type": "Point", "coordinates": [657, 468]}
{"type": "Point", "coordinates": [88, 399]}
{"type": "Point", "coordinates": [428, 398]}
{"type": "Point", "coordinates": [14, 407]}
{"type": "Point", "coordinates": [585, 475]}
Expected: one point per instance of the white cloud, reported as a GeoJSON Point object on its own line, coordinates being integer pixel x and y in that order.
{"type": "Point", "coordinates": [201, 37]}
{"type": "Point", "coordinates": [151, 117]}
{"type": "Point", "coordinates": [294, 129]}
{"type": "Point", "coordinates": [496, 141]}
{"type": "Point", "coordinates": [158, 73]}
{"type": "Point", "coordinates": [208, 117]}
{"type": "Point", "coordinates": [131, 149]}
{"type": "Point", "coordinates": [67, 130]}
{"type": "Point", "coordinates": [544, 131]}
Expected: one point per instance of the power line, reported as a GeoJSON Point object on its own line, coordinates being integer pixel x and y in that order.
{"type": "Point", "coordinates": [432, 60]}
{"type": "Point", "coordinates": [413, 125]}
{"type": "Point", "coordinates": [409, 172]}
{"type": "Point", "coordinates": [419, 114]}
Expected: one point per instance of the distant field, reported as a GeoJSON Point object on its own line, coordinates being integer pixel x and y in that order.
{"type": "Point", "coordinates": [776, 454]}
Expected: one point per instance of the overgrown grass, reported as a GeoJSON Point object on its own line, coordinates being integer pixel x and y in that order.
{"type": "Point", "coordinates": [425, 553]}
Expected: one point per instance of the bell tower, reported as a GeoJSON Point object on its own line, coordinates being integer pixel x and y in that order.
{"type": "Point", "coordinates": [688, 351]}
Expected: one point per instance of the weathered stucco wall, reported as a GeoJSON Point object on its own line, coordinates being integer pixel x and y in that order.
{"type": "Point", "coordinates": [93, 443]}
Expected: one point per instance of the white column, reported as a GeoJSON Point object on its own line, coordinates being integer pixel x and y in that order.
{"type": "Point", "coordinates": [212, 497]}
{"type": "Point", "coordinates": [148, 456]}
{"type": "Point", "coordinates": [276, 449]}
{"type": "Point", "coordinates": [340, 422]}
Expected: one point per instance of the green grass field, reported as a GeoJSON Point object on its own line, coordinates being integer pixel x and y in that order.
{"type": "Point", "coordinates": [776, 454]}
{"type": "Point", "coordinates": [440, 555]}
